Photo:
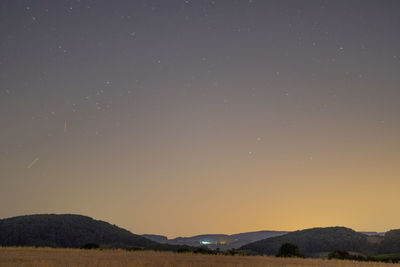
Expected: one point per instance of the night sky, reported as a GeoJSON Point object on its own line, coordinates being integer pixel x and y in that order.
{"type": "Point", "coordinates": [197, 116]}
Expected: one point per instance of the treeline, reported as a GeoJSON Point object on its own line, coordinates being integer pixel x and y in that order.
{"type": "Point", "coordinates": [292, 250]}
{"type": "Point", "coordinates": [344, 255]}
{"type": "Point", "coordinates": [178, 249]}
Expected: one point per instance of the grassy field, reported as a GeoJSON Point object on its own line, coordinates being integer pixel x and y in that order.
{"type": "Point", "coordinates": [43, 257]}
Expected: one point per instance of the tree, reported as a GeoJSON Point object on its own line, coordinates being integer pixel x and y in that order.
{"type": "Point", "coordinates": [289, 250]}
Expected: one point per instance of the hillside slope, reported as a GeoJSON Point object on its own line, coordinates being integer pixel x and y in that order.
{"type": "Point", "coordinates": [313, 241]}
{"type": "Point", "coordinates": [69, 231]}
{"type": "Point", "coordinates": [390, 242]}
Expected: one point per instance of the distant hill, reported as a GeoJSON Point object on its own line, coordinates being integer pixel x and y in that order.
{"type": "Point", "coordinates": [249, 237]}
{"type": "Point", "coordinates": [220, 241]}
{"type": "Point", "coordinates": [314, 241]}
{"type": "Point", "coordinates": [373, 233]}
{"type": "Point", "coordinates": [156, 238]}
{"type": "Point", "coordinates": [69, 231]}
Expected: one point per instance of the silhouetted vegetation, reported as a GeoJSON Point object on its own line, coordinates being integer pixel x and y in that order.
{"type": "Point", "coordinates": [339, 254]}
{"type": "Point", "coordinates": [203, 250]}
{"type": "Point", "coordinates": [231, 252]}
{"type": "Point", "coordinates": [289, 250]}
{"type": "Point", "coordinates": [391, 258]}
{"type": "Point", "coordinates": [90, 246]}
{"type": "Point", "coordinates": [344, 255]}
{"type": "Point", "coordinates": [133, 248]}
{"type": "Point", "coordinates": [184, 249]}
{"type": "Point", "coordinates": [206, 250]}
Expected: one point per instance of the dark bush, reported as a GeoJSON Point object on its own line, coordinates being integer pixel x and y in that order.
{"type": "Point", "coordinates": [339, 254]}
{"type": "Point", "coordinates": [203, 250]}
{"type": "Point", "coordinates": [232, 252]}
{"type": "Point", "coordinates": [133, 248]}
{"type": "Point", "coordinates": [183, 249]}
{"type": "Point", "coordinates": [344, 255]}
{"type": "Point", "coordinates": [289, 250]}
{"type": "Point", "coordinates": [90, 246]}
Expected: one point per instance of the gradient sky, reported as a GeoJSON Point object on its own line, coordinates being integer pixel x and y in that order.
{"type": "Point", "coordinates": [192, 117]}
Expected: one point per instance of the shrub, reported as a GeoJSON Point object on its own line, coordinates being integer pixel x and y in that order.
{"type": "Point", "coordinates": [133, 248]}
{"type": "Point", "coordinates": [289, 250]}
{"type": "Point", "coordinates": [339, 254]}
{"type": "Point", "coordinates": [90, 246]}
{"type": "Point", "coordinates": [183, 249]}
{"type": "Point", "coordinates": [344, 255]}
{"type": "Point", "coordinates": [203, 250]}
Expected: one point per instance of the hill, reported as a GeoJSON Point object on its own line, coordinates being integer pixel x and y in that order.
{"type": "Point", "coordinates": [156, 238]}
{"type": "Point", "coordinates": [313, 241]}
{"type": "Point", "coordinates": [390, 242]}
{"type": "Point", "coordinates": [69, 231]}
{"type": "Point", "coordinates": [249, 237]}
{"type": "Point", "coordinates": [214, 241]}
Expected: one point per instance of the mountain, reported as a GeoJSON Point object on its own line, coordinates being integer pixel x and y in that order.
{"type": "Point", "coordinates": [220, 241]}
{"type": "Point", "coordinates": [70, 231]}
{"type": "Point", "coordinates": [314, 241]}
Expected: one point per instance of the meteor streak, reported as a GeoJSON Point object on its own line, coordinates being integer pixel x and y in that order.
{"type": "Point", "coordinates": [33, 163]}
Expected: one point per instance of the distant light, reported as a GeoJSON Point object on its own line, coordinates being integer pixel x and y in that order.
{"type": "Point", "coordinates": [205, 242]}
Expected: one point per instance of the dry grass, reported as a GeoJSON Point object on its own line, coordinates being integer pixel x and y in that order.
{"type": "Point", "coordinates": [44, 257]}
